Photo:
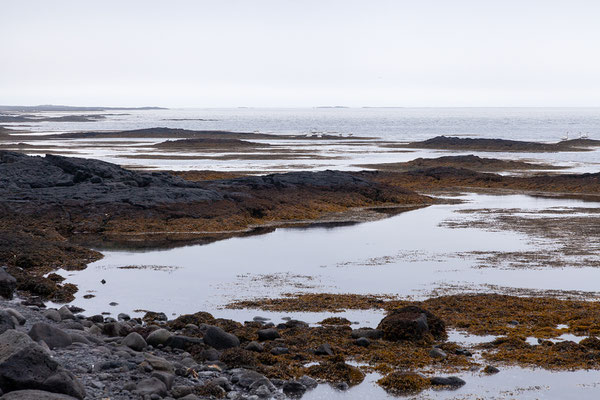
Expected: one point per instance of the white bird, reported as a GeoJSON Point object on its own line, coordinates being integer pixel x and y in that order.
{"type": "Point", "coordinates": [565, 137]}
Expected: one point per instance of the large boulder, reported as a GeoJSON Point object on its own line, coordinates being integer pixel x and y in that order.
{"type": "Point", "coordinates": [17, 315]}
{"type": "Point", "coordinates": [268, 334]}
{"type": "Point", "coordinates": [412, 323]}
{"type": "Point", "coordinates": [6, 321]}
{"type": "Point", "coordinates": [293, 389]}
{"type": "Point", "coordinates": [219, 339]}
{"type": "Point", "coordinates": [65, 313]}
{"type": "Point", "coordinates": [159, 336]}
{"type": "Point", "coordinates": [8, 284]}
{"type": "Point", "coordinates": [35, 395]}
{"type": "Point", "coordinates": [135, 341]}
{"type": "Point", "coordinates": [158, 363]}
{"type": "Point", "coordinates": [150, 386]}
{"type": "Point", "coordinates": [24, 364]}
{"type": "Point", "coordinates": [116, 329]}
{"type": "Point", "coordinates": [52, 336]}
{"type": "Point", "coordinates": [183, 342]}
{"type": "Point", "coordinates": [368, 333]}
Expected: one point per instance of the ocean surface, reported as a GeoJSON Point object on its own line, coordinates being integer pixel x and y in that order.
{"type": "Point", "coordinates": [387, 124]}
{"type": "Point", "coordinates": [402, 124]}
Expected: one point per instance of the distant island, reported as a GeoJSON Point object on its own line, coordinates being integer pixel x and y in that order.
{"type": "Point", "coordinates": [52, 107]}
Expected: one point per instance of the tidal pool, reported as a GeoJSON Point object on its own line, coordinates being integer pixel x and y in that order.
{"type": "Point", "coordinates": [509, 383]}
{"type": "Point", "coordinates": [409, 254]}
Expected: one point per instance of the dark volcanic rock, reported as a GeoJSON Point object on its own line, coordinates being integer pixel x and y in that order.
{"type": "Point", "coordinates": [412, 323]}
{"type": "Point", "coordinates": [363, 342]}
{"type": "Point", "coordinates": [17, 315]}
{"type": "Point", "coordinates": [25, 365]}
{"type": "Point", "coordinates": [294, 389]}
{"type": "Point", "coordinates": [150, 386]}
{"type": "Point", "coordinates": [159, 336]}
{"type": "Point", "coordinates": [324, 350]}
{"type": "Point", "coordinates": [295, 324]}
{"type": "Point", "coordinates": [183, 342]}
{"type": "Point", "coordinates": [368, 333]}
{"type": "Point", "coordinates": [255, 346]}
{"type": "Point", "coordinates": [35, 395]}
{"type": "Point", "coordinates": [116, 329]}
{"type": "Point", "coordinates": [8, 284]}
{"type": "Point", "coordinates": [219, 339]}
{"type": "Point", "coordinates": [52, 336]}
{"type": "Point", "coordinates": [279, 350]}
{"type": "Point", "coordinates": [134, 341]}
{"type": "Point", "coordinates": [61, 179]}
{"type": "Point", "coordinates": [6, 321]}
{"type": "Point", "coordinates": [451, 381]}
{"type": "Point", "coordinates": [268, 334]}
{"type": "Point", "coordinates": [58, 179]}
{"type": "Point", "coordinates": [485, 144]}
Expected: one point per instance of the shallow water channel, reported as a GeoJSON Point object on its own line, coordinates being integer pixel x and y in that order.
{"type": "Point", "coordinates": [410, 254]}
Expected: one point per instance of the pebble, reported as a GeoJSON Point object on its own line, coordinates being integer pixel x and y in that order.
{"type": "Point", "coordinates": [437, 353]}
{"type": "Point", "coordinates": [279, 350]}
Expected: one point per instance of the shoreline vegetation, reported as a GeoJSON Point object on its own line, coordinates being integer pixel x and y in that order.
{"type": "Point", "coordinates": [55, 208]}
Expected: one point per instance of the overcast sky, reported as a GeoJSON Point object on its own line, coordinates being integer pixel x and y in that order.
{"type": "Point", "coordinates": [300, 53]}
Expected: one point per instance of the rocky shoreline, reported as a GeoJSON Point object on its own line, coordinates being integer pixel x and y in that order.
{"type": "Point", "coordinates": [62, 354]}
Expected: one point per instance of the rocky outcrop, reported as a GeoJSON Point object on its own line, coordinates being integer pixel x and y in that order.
{"type": "Point", "coordinates": [48, 202]}
{"type": "Point", "coordinates": [483, 144]}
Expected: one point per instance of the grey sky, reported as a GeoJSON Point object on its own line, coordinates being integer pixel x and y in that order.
{"type": "Point", "coordinates": [300, 53]}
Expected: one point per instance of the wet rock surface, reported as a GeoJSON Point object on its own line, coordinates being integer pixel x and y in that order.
{"type": "Point", "coordinates": [412, 323]}
{"type": "Point", "coordinates": [97, 357]}
{"type": "Point", "coordinates": [101, 366]}
{"type": "Point", "coordinates": [484, 144]}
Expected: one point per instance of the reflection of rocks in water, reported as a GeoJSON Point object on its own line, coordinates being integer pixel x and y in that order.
{"type": "Point", "coordinates": [279, 280]}
{"type": "Point", "coordinates": [166, 268]}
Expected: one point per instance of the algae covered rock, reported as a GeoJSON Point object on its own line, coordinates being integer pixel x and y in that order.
{"type": "Point", "coordinates": [412, 323]}
{"type": "Point", "coordinates": [336, 370]}
{"type": "Point", "coordinates": [404, 383]}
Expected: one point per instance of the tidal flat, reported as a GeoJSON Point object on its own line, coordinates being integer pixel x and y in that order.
{"type": "Point", "coordinates": [467, 269]}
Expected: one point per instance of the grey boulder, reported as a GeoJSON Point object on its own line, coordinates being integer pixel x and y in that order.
{"type": "Point", "coordinates": [219, 339]}
{"type": "Point", "coordinates": [24, 364]}
{"type": "Point", "coordinates": [159, 336]}
{"type": "Point", "coordinates": [7, 321]}
{"type": "Point", "coordinates": [150, 386]}
{"type": "Point", "coordinates": [135, 341]}
{"type": "Point", "coordinates": [52, 315]}
{"type": "Point", "coordinates": [52, 336]}
{"type": "Point", "coordinates": [65, 313]}
{"type": "Point", "coordinates": [35, 395]}
{"type": "Point", "coordinates": [293, 389]}
{"type": "Point", "coordinates": [8, 284]}
{"type": "Point", "coordinates": [268, 334]}
{"type": "Point", "coordinates": [17, 315]}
